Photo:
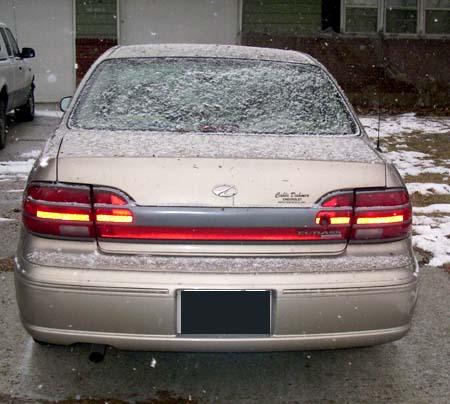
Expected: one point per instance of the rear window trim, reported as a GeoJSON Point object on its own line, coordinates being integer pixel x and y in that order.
{"type": "Point", "coordinates": [348, 108]}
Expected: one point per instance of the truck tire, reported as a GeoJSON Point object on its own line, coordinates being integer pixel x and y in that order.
{"type": "Point", "coordinates": [25, 113]}
{"type": "Point", "coordinates": [2, 124]}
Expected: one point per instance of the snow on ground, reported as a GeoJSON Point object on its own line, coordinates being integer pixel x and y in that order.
{"type": "Point", "coordinates": [5, 219]}
{"type": "Point", "coordinates": [405, 123]}
{"type": "Point", "coordinates": [432, 234]}
{"type": "Point", "coordinates": [48, 113]}
{"type": "Point", "coordinates": [31, 154]}
{"type": "Point", "coordinates": [430, 223]}
{"type": "Point", "coordinates": [10, 170]}
{"type": "Point", "coordinates": [415, 163]}
{"type": "Point", "coordinates": [428, 188]}
{"type": "Point", "coordinates": [435, 208]}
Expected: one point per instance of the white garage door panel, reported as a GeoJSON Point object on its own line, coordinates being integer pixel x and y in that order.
{"type": "Point", "coordinates": [46, 26]}
{"type": "Point", "coordinates": [179, 21]}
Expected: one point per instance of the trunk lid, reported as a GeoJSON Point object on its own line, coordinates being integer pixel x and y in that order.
{"type": "Point", "coordinates": [167, 169]}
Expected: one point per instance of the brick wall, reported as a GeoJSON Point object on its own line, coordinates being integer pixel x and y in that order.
{"type": "Point", "coordinates": [88, 50]}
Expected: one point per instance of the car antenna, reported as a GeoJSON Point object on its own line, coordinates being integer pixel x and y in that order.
{"type": "Point", "coordinates": [380, 64]}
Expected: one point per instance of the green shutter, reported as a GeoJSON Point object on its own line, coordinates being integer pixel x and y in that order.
{"type": "Point", "coordinates": [281, 17]}
{"type": "Point", "coordinates": [96, 19]}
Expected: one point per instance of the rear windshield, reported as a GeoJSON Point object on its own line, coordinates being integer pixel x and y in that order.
{"type": "Point", "coordinates": [211, 95]}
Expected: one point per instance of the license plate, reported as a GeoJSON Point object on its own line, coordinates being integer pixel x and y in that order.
{"type": "Point", "coordinates": [222, 312]}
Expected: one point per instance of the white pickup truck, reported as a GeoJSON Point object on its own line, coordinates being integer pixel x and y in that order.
{"type": "Point", "coordinates": [16, 81]}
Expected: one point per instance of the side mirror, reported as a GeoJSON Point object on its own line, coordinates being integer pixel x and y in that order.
{"type": "Point", "coordinates": [65, 103]}
{"type": "Point", "coordinates": [27, 53]}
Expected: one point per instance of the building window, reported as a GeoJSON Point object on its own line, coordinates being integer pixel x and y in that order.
{"type": "Point", "coordinates": [361, 16]}
{"type": "Point", "coordinates": [437, 17]}
{"type": "Point", "coordinates": [401, 16]}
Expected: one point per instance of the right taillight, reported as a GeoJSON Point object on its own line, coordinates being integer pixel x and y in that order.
{"type": "Point", "coordinates": [381, 215]}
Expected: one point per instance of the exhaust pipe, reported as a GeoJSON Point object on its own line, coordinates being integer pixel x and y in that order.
{"type": "Point", "coordinates": [97, 353]}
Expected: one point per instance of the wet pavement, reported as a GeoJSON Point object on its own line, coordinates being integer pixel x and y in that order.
{"type": "Point", "coordinates": [415, 369]}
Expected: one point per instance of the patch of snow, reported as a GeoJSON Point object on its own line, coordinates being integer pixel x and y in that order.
{"type": "Point", "coordinates": [435, 208]}
{"type": "Point", "coordinates": [5, 219]}
{"type": "Point", "coordinates": [31, 154]}
{"type": "Point", "coordinates": [405, 124]}
{"type": "Point", "coordinates": [427, 188]}
{"type": "Point", "coordinates": [433, 235]}
{"type": "Point", "coordinates": [414, 163]}
{"type": "Point", "coordinates": [43, 161]}
{"type": "Point", "coordinates": [216, 51]}
{"type": "Point", "coordinates": [48, 113]}
{"type": "Point", "coordinates": [183, 145]}
{"type": "Point", "coordinates": [96, 260]}
{"type": "Point", "coordinates": [16, 167]}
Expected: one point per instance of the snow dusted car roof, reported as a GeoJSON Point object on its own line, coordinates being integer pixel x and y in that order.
{"type": "Point", "coordinates": [215, 51]}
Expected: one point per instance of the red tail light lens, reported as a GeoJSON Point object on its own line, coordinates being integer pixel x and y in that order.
{"type": "Point", "coordinates": [63, 211]}
{"type": "Point", "coordinates": [336, 216]}
{"type": "Point", "coordinates": [340, 200]}
{"type": "Point", "coordinates": [110, 211]}
{"type": "Point", "coordinates": [381, 215]}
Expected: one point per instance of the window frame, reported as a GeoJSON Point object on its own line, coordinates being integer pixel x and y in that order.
{"type": "Point", "coordinates": [13, 43]}
{"type": "Point", "coordinates": [9, 50]}
{"type": "Point", "coordinates": [3, 49]}
{"type": "Point", "coordinates": [381, 23]}
{"type": "Point", "coordinates": [344, 8]}
{"type": "Point", "coordinates": [402, 34]}
{"type": "Point", "coordinates": [424, 17]}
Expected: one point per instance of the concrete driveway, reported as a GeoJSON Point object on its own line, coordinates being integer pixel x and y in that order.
{"type": "Point", "coordinates": [415, 369]}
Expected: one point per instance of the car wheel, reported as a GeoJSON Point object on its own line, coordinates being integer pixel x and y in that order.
{"type": "Point", "coordinates": [2, 124]}
{"type": "Point", "coordinates": [25, 113]}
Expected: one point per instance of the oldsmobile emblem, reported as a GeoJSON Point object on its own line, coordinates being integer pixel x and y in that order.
{"type": "Point", "coordinates": [225, 191]}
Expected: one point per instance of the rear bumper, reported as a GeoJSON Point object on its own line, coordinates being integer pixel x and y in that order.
{"type": "Point", "coordinates": [138, 310]}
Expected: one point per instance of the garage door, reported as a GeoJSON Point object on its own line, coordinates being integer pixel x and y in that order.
{"type": "Point", "coordinates": [46, 26]}
{"type": "Point", "coordinates": [179, 21]}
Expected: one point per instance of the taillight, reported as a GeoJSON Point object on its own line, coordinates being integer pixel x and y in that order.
{"type": "Point", "coordinates": [368, 215]}
{"type": "Point", "coordinates": [68, 211]}
{"type": "Point", "coordinates": [382, 214]}
{"type": "Point", "coordinates": [110, 209]}
{"type": "Point", "coordinates": [55, 210]}
{"type": "Point", "coordinates": [335, 215]}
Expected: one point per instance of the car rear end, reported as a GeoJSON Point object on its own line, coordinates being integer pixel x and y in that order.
{"type": "Point", "coordinates": [216, 241]}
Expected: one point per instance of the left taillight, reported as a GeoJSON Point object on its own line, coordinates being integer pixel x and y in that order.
{"type": "Point", "coordinates": [59, 210]}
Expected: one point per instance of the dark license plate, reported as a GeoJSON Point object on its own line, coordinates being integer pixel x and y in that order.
{"type": "Point", "coordinates": [224, 312]}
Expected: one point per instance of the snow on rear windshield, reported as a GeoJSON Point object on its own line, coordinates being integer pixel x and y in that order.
{"type": "Point", "coordinates": [211, 95]}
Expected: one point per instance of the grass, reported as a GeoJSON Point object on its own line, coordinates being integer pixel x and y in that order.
{"type": "Point", "coordinates": [424, 200]}
{"type": "Point", "coordinates": [427, 177]}
{"type": "Point", "coordinates": [436, 146]}
{"type": "Point", "coordinates": [422, 256]}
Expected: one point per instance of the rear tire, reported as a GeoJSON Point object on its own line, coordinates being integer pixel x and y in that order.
{"type": "Point", "coordinates": [25, 113]}
{"type": "Point", "coordinates": [2, 124]}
